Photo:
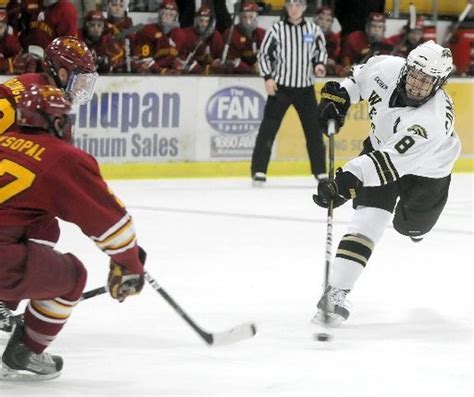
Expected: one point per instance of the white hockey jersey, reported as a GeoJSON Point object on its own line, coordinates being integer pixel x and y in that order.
{"type": "Point", "coordinates": [406, 140]}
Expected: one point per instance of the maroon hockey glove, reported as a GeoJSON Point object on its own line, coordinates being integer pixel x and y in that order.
{"type": "Point", "coordinates": [121, 283]}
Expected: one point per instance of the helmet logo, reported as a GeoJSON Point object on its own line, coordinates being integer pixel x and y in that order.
{"type": "Point", "coordinates": [446, 53]}
{"type": "Point", "coordinates": [75, 45]}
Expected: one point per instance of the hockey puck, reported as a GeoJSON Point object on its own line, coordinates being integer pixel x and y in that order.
{"type": "Point", "coordinates": [322, 337]}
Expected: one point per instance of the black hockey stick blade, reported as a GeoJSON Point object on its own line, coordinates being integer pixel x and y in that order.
{"type": "Point", "coordinates": [235, 334]}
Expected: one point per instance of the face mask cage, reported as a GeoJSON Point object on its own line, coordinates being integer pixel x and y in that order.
{"type": "Point", "coordinates": [80, 87]}
{"type": "Point", "coordinates": [417, 87]}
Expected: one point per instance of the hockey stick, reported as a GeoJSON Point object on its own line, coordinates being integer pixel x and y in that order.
{"type": "Point", "coordinates": [225, 52]}
{"type": "Point", "coordinates": [235, 334]}
{"type": "Point", "coordinates": [201, 40]}
{"type": "Point", "coordinates": [411, 26]}
{"type": "Point", "coordinates": [19, 317]}
{"type": "Point", "coordinates": [460, 20]}
{"type": "Point", "coordinates": [324, 336]}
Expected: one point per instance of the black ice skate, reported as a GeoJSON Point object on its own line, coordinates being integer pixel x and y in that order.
{"type": "Point", "coordinates": [337, 307]}
{"type": "Point", "coordinates": [20, 363]}
{"type": "Point", "coordinates": [258, 179]}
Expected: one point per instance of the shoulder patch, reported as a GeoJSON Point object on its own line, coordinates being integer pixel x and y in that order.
{"type": "Point", "coordinates": [418, 130]}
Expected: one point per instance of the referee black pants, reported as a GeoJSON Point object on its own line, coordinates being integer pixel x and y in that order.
{"type": "Point", "coordinates": [304, 101]}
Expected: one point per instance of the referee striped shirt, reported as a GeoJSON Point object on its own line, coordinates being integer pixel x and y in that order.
{"type": "Point", "coordinates": [289, 53]}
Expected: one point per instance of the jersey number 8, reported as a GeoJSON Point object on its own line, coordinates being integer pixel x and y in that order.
{"type": "Point", "coordinates": [404, 144]}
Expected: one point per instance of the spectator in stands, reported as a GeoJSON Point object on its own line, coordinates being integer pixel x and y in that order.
{"type": "Point", "coordinates": [408, 38]}
{"type": "Point", "coordinates": [83, 7]}
{"type": "Point", "coordinates": [21, 12]}
{"type": "Point", "coordinates": [359, 46]}
{"type": "Point", "coordinates": [117, 22]}
{"type": "Point", "coordinates": [50, 19]}
{"type": "Point", "coordinates": [12, 60]}
{"type": "Point", "coordinates": [106, 50]}
{"type": "Point", "coordinates": [324, 18]}
{"type": "Point", "coordinates": [187, 10]}
{"type": "Point", "coordinates": [244, 43]}
{"type": "Point", "coordinates": [152, 49]}
{"type": "Point", "coordinates": [199, 45]}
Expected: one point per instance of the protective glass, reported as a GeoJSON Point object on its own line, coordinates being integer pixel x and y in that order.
{"type": "Point", "coordinates": [80, 87]}
{"type": "Point", "coordinates": [418, 85]}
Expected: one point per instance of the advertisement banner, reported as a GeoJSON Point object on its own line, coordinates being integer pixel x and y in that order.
{"type": "Point", "coordinates": [138, 119]}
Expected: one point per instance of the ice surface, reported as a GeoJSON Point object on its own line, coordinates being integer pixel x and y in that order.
{"type": "Point", "coordinates": [230, 253]}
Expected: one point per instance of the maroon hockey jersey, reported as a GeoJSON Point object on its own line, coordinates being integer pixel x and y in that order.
{"type": "Point", "coordinates": [42, 177]}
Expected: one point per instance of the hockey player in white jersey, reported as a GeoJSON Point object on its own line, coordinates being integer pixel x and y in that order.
{"type": "Point", "coordinates": [404, 170]}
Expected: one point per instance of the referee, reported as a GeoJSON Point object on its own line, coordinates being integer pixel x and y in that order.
{"type": "Point", "coordinates": [293, 51]}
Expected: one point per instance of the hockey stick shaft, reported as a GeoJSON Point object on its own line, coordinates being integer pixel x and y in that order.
{"type": "Point", "coordinates": [235, 334]}
{"type": "Point", "coordinates": [86, 295]}
{"type": "Point", "coordinates": [411, 26]}
{"type": "Point", "coordinates": [201, 40]}
{"type": "Point", "coordinates": [207, 337]}
{"type": "Point", "coordinates": [460, 20]}
{"type": "Point", "coordinates": [225, 52]}
{"type": "Point", "coordinates": [329, 223]}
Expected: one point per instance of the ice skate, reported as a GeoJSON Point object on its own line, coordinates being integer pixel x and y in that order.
{"type": "Point", "coordinates": [259, 179]}
{"type": "Point", "coordinates": [6, 322]}
{"type": "Point", "coordinates": [21, 364]}
{"type": "Point", "coordinates": [338, 308]}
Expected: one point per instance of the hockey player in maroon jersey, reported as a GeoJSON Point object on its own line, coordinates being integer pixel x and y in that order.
{"type": "Point", "coordinates": [244, 43]}
{"type": "Point", "coordinates": [359, 46]}
{"type": "Point", "coordinates": [34, 158]}
{"type": "Point", "coordinates": [408, 39]}
{"type": "Point", "coordinates": [56, 18]}
{"type": "Point", "coordinates": [12, 59]}
{"type": "Point", "coordinates": [117, 21]}
{"type": "Point", "coordinates": [152, 49]}
{"type": "Point", "coordinates": [324, 18]}
{"type": "Point", "coordinates": [99, 41]}
{"type": "Point", "coordinates": [187, 40]}
{"type": "Point", "coordinates": [68, 65]}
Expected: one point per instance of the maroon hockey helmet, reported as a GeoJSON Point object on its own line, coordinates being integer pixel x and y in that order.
{"type": "Point", "coordinates": [204, 15]}
{"type": "Point", "coordinates": [72, 54]}
{"type": "Point", "coordinates": [94, 15]}
{"type": "Point", "coordinates": [248, 17]}
{"type": "Point", "coordinates": [169, 5]}
{"type": "Point", "coordinates": [45, 107]}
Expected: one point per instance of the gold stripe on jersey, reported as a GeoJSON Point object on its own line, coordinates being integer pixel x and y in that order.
{"type": "Point", "coordinates": [117, 238]}
{"type": "Point", "coordinates": [383, 165]}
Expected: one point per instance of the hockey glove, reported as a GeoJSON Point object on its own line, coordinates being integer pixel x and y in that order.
{"type": "Point", "coordinates": [341, 189]}
{"type": "Point", "coordinates": [334, 104]}
{"type": "Point", "coordinates": [121, 283]}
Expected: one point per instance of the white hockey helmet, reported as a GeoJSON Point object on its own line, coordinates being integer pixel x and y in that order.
{"type": "Point", "coordinates": [427, 68]}
{"type": "Point", "coordinates": [432, 59]}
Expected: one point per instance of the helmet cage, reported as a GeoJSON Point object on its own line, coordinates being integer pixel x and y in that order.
{"type": "Point", "coordinates": [427, 65]}
{"type": "Point", "coordinates": [248, 27]}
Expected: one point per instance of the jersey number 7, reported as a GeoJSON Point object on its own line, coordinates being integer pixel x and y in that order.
{"type": "Point", "coordinates": [24, 178]}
